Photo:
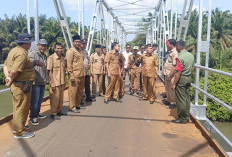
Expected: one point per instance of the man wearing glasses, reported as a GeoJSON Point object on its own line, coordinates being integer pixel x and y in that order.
{"type": "Point", "coordinates": [126, 55]}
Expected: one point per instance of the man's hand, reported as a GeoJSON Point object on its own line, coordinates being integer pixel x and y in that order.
{"type": "Point", "coordinates": [72, 79]}
{"type": "Point", "coordinates": [53, 87]}
{"type": "Point", "coordinates": [168, 78]}
{"type": "Point", "coordinates": [162, 74]}
{"type": "Point", "coordinates": [173, 87]}
{"type": "Point", "coordinates": [40, 64]}
{"type": "Point", "coordinates": [8, 81]}
{"type": "Point", "coordinates": [109, 75]}
{"type": "Point", "coordinates": [156, 77]}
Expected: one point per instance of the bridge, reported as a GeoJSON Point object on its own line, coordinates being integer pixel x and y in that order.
{"type": "Point", "coordinates": [130, 128]}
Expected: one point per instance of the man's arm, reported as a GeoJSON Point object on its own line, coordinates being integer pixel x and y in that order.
{"type": "Point", "coordinates": [69, 57]}
{"type": "Point", "coordinates": [107, 68]}
{"type": "Point", "coordinates": [176, 79]}
{"type": "Point", "coordinates": [157, 72]}
{"type": "Point", "coordinates": [11, 77]}
{"type": "Point", "coordinates": [52, 83]}
{"type": "Point", "coordinates": [193, 68]}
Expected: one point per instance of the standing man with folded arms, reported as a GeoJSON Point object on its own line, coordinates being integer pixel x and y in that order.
{"type": "Point", "coordinates": [76, 70]}
{"type": "Point", "coordinates": [20, 74]}
{"type": "Point", "coordinates": [39, 59]}
{"type": "Point", "coordinates": [56, 69]}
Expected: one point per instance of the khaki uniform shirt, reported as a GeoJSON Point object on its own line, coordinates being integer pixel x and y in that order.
{"type": "Point", "coordinates": [131, 63]}
{"type": "Point", "coordinates": [97, 62]}
{"type": "Point", "coordinates": [75, 62]}
{"type": "Point", "coordinates": [86, 62]}
{"type": "Point", "coordinates": [114, 60]}
{"type": "Point", "coordinates": [57, 66]}
{"type": "Point", "coordinates": [171, 61]}
{"type": "Point", "coordinates": [19, 60]}
{"type": "Point", "coordinates": [148, 65]}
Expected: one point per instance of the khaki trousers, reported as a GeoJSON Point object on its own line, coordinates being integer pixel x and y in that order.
{"type": "Point", "coordinates": [171, 98]}
{"type": "Point", "coordinates": [135, 77]}
{"type": "Point", "coordinates": [21, 107]}
{"type": "Point", "coordinates": [149, 88]}
{"type": "Point", "coordinates": [76, 91]}
{"type": "Point", "coordinates": [97, 78]}
{"type": "Point", "coordinates": [113, 86]}
{"type": "Point", "coordinates": [56, 99]}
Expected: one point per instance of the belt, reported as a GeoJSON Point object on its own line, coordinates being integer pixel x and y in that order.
{"type": "Point", "coordinates": [23, 81]}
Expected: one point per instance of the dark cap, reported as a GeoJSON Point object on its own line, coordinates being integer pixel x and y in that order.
{"type": "Point", "coordinates": [83, 41]}
{"type": "Point", "coordinates": [154, 45]}
{"type": "Point", "coordinates": [76, 37]}
{"type": "Point", "coordinates": [103, 47]}
{"type": "Point", "coordinates": [24, 38]}
{"type": "Point", "coordinates": [97, 46]}
{"type": "Point", "coordinates": [42, 42]}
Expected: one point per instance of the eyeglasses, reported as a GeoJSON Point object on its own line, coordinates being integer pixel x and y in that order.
{"type": "Point", "coordinates": [128, 47]}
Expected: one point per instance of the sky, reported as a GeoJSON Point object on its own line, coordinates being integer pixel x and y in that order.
{"type": "Point", "coordinates": [15, 7]}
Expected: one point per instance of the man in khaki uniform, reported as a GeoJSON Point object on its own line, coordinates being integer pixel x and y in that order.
{"type": "Point", "coordinates": [114, 70]}
{"type": "Point", "coordinates": [168, 66]}
{"type": "Point", "coordinates": [121, 77]}
{"type": "Point", "coordinates": [76, 69]}
{"type": "Point", "coordinates": [20, 72]}
{"type": "Point", "coordinates": [97, 70]}
{"type": "Point", "coordinates": [134, 70]}
{"type": "Point", "coordinates": [149, 71]}
{"type": "Point", "coordinates": [56, 70]}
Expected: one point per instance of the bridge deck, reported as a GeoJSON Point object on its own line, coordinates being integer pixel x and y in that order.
{"type": "Point", "coordinates": [128, 129]}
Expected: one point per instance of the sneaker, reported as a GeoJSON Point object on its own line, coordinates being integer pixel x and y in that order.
{"type": "Point", "coordinates": [27, 128]}
{"type": "Point", "coordinates": [54, 117]}
{"type": "Point", "coordinates": [75, 110]}
{"type": "Point", "coordinates": [42, 116]}
{"type": "Point", "coordinates": [26, 135]}
{"type": "Point", "coordinates": [34, 121]}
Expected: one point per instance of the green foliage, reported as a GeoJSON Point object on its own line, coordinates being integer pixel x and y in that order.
{"type": "Point", "coordinates": [220, 87]}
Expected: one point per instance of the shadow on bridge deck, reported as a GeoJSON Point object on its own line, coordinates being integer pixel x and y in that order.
{"type": "Point", "coordinates": [131, 128]}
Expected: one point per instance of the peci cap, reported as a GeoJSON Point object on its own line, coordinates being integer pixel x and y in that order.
{"type": "Point", "coordinates": [76, 37]}
{"type": "Point", "coordinates": [24, 38]}
{"type": "Point", "coordinates": [97, 46]}
{"type": "Point", "coordinates": [42, 42]}
{"type": "Point", "coordinates": [135, 48]}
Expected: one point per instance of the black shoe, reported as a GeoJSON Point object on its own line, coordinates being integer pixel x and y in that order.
{"type": "Point", "coordinates": [120, 96]}
{"type": "Point", "coordinates": [151, 102]}
{"type": "Point", "coordinates": [116, 100]}
{"type": "Point", "coordinates": [179, 121]}
{"type": "Point", "coordinates": [90, 100]}
{"type": "Point", "coordinates": [93, 96]}
{"type": "Point", "coordinates": [131, 93]}
{"type": "Point", "coordinates": [165, 102]}
{"type": "Point", "coordinates": [164, 96]}
{"type": "Point", "coordinates": [54, 117]}
{"type": "Point", "coordinates": [81, 107]}
{"type": "Point", "coordinates": [61, 114]}
{"type": "Point", "coordinates": [171, 106]}
{"type": "Point", "coordinates": [106, 101]}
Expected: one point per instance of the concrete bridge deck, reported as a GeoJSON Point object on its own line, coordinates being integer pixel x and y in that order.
{"type": "Point", "coordinates": [132, 128]}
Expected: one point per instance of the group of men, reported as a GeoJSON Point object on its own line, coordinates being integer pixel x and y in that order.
{"type": "Point", "coordinates": [29, 73]}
